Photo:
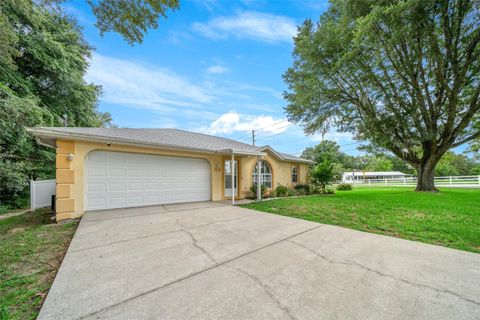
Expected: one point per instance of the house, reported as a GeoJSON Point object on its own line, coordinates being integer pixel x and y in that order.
{"type": "Point", "coordinates": [362, 176]}
{"type": "Point", "coordinates": [105, 168]}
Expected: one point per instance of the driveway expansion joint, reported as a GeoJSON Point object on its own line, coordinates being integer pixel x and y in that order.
{"type": "Point", "coordinates": [188, 276]}
{"type": "Point", "coordinates": [359, 265]}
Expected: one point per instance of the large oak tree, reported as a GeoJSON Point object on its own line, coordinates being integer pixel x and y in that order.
{"type": "Point", "coordinates": [403, 75]}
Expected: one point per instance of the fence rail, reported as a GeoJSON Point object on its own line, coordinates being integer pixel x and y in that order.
{"type": "Point", "coordinates": [473, 181]}
{"type": "Point", "coordinates": [41, 193]}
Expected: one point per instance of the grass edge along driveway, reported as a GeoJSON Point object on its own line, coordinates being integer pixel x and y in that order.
{"type": "Point", "coordinates": [450, 218]}
{"type": "Point", "coordinates": [32, 248]}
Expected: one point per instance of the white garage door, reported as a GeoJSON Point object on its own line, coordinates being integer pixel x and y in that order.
{"type": "Point", "coordinates": [118, 180]}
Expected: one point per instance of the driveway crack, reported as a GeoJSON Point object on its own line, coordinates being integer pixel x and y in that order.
{"type": "Point", "coordinates": [266, 289]}
{"type": "Point", "coordinates": [177, 221]}
{"type": "Point", "coordinates": [359, 265]}
{"type": "Point", "coordinates": [188, 276]}
{"type": "Point", "coordinates": [195, 243]}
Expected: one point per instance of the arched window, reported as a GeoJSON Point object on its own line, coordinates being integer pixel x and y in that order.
{"type": "Point", "coordinates": [265, 174]}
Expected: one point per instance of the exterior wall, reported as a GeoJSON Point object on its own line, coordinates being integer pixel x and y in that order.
{"type": "Point", "coordinates": [281, 173]}
{"type": "Point", "coordinates": [70, 174]}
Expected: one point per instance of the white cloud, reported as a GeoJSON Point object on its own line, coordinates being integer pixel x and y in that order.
{"type": "Point", "coordinates": [233, 122]}
{"type": "Point", "coordinates": [217, 69]}
{"type": "Point", "coordinates": [264, 27]}
{"type": "Point", "coordinates": [140, 85]}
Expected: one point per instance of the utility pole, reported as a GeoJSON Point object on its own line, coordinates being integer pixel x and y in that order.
{"type": "Point", "coordinates": [65, 120]}
{"type": "Point", "coordinates": [253, 138]}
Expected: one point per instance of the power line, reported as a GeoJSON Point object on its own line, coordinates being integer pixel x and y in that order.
{"type": "Point", "coordinates": [276, 134]}
{"type": "Point", "coordinates": [271, 125]}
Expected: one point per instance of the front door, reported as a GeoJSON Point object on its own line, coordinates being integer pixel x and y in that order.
{"type": "Point", "coordinates": [228, 178]}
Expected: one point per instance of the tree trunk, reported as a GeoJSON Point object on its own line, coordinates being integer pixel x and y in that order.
{"type": "Point", "coordinates": [426, 176]}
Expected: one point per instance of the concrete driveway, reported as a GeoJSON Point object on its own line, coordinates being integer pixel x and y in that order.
{"type": "Point", "coordinates": [212, 261]}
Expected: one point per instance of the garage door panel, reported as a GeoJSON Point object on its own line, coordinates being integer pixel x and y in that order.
{"type": "Point", "coordinates": [117, 172]}
{"type": "Point", "coordinates": [96, 172]}
{"type": "Point", "coordinates": [117, 158]}
{"type": "Point", "coordinates": [117, 187]}
{"type": "Point", "coordinates": [116, 180]}
{"type": "Point", "coordinates": [96, 187]}
{"type": "Point", "coordinates": [97, 157]}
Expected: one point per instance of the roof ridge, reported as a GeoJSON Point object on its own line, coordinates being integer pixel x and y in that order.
{"type": "Point", "coordinates": [209, 135]}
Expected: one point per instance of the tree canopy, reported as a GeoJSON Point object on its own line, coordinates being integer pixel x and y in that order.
{"type": "Point", "coordinates": [130, 18]}
{"type": "Point", "coordinates": [42, 64]}
{"type": "Point", "coordinates": [403, 75]}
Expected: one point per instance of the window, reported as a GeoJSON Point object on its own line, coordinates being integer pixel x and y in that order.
{"type": "Point", "coordinates": [265, 174]}
{"type": "Point", "coordinates": [294, 174]}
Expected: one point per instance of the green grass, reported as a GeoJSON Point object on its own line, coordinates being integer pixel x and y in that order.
{"type": "Point", "coordinates": [31, 250]}
{"type": "Point", "coordinates": [450, 218]}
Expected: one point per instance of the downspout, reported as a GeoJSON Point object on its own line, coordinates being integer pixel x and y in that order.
{"type": "Point", "coordinates": [232, 166]}
{"type": "Point", "coordinates": [259, 185]}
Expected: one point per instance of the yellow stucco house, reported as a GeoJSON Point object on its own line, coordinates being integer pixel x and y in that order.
{"type": "Point", "coordinates": [106, 168]}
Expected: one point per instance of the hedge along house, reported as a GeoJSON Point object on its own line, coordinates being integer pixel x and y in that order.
{"type": "Point", "coordinates": [106, 168]}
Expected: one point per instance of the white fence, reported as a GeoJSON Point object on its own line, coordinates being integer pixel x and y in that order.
{"type": "Point", "coordinates": [453, 181]}
{"type": "Point", "coordinates": [41, 193]}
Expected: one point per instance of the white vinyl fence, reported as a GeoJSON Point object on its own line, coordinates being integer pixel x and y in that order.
{"type": "Point", "coordinates": [453, 181]}
{"type": "Point", "coordinates": [41, 193]}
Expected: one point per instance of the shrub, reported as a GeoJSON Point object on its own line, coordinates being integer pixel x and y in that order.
{"type": "Point", "coordinates": [291, 192]}
{"type": "Point", "coordinates": [300, 192]}
{"type": "Point", "coordinates": [303, 188]}
{"type": "Point", "coordinates": [4, 209]}
{"type": "Point", "coordinates": [253, 192]}
{"type": "Point", "coordinates": [329, 191]}
{"type": "Point", "coordinates": [281, 191]}
{"type": "Point", "coordinates": [344, 186]}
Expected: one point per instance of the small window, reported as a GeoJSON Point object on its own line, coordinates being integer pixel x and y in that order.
{"type": "Point", "coordinates": [294, 174]}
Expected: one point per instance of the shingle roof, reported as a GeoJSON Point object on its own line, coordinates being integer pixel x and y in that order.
{"type": "Point", "coordinates": [160, 137]}
{"type": "Point", "coordinates": [172, 137]}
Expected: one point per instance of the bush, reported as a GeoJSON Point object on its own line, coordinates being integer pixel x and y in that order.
{"type": "Point", "coordinates": [329, 191]}
{"type": "Point", "coordinates": [281, 191]}
{"type": "Point", "coordinates": [3, 210]}
{"type": "Point", "coordinates": [253, 192]}
{"type": "Point", "coordinates": [300, 192]}
{"type": "Point", "coordinates": [291, 192]}
{"type": "Point", "coordinates": [344, 187]}
{"type": "Point", "coordinates": [302, 189]}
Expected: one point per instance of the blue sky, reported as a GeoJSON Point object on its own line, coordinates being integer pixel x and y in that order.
{"type": "Point", "coordinates": [212, 66]}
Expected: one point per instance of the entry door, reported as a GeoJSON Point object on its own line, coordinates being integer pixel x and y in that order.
{"type": "Point", "coordinates": [228, 178]}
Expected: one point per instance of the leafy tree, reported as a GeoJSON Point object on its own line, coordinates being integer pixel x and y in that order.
{"type": "Point", "coordinates": [379, 164]}
{"type": "Point", "coordinates": [323, 174]}
{"type": "Point", "coordinates": [325, 150]}
{"type": "Point", "coordinates": [42, 65]}
{"type": "Point", "coordinates": [453, 164]}
{"type": "Point", "coordinates": [130, 18]}
{"type": "Point", "coordinates": [403, 75]}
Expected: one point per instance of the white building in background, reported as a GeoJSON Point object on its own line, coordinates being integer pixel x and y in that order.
{"type": "Point", "coordinates": [361, 176]}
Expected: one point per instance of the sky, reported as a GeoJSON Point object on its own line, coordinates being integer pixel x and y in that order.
{"type": "Point", "coordinates": [212, 66]}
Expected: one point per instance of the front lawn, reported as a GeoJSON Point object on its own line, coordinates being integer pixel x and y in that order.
{"type": "Point", "coordinates": [449, 218]}
{"type": "Point", "coordinates": [31, 250]}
